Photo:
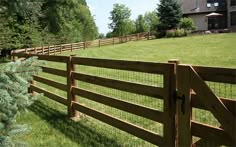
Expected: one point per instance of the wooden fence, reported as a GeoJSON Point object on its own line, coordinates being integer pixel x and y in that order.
{"type": "Point", "coordinates": [179, 127]}
{"type": "Point", "coordinates": [58, 49]}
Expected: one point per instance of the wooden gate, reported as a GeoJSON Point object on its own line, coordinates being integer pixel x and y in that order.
{"type": "Point", "coordinates": [195, 93]}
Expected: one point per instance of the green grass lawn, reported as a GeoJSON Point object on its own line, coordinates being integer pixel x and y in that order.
{"type": "Point", "coordinates": [50, 125]}
{"type": "Point", "coordinates": [209, 50]}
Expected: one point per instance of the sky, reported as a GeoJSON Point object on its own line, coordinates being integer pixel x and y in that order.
{"type": "Point", "coordinates": [101, 9]}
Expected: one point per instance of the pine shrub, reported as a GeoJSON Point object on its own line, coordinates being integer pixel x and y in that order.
{"type": "Point", "coordinates": [14, 97]}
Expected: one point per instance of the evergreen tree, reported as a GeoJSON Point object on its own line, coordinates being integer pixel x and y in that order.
{"type": "Point", "coordinates": [14, 97]}
{"type": "Point", "coordinates": [170, 13]}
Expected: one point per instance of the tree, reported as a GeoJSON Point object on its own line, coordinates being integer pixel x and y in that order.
{"type": "Point", "coordinates": [101, 36]}
{"type": "Point", "coordinates": [170, 13]}
{"type": "Point", "coordinates": [131, 28]}
{"type": "Point", "coordinates": [28, 9]}
{"type": "Point", "coordinates": [141, 25]}
{"type": "Point", "coordinates": [120, 17]}
{"type": "Point", "coordinates": [151, 20]}
{"type": "Point", "coordinates": [28, 23]}
{"type": "Point", "coordinates": [69, 19]}
{"type": "Point", "coordinates": [14, 96]}
{"type": "Point", "coordinates": [109, 35]}
{"type": "Point", "coordinates": [19, 22]}
{"type": "Point", "coordinates": [187, 24]}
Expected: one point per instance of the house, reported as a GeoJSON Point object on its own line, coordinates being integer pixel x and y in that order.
{"type": "Point", "coordinates": [211, 14]}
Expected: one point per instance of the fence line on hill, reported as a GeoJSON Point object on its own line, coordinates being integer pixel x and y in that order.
{"type": "Point", "coordinates": [175, 96]}
{"type": "Point", "coordinates": [58, 49]}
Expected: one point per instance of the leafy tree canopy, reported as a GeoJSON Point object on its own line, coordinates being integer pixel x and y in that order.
{"type": "Point", "coordinates": [141, 25]}
{"type": "Point", "coordinates": [121, 24]}
{"type": "Point", "coordinates": [27, 23]}
{"type": "Point", "coordinates": [151, 20]}
{"type": "Point", "coordinates": [187, 24]}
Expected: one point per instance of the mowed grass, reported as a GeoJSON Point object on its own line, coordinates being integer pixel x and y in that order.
{"type": "Point", "coordinates": [51, 126]}
{"type": "Point", "coordinates": [208, 50]}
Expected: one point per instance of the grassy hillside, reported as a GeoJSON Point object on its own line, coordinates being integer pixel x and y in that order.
{"type": "Point", "coordinates": [50, 125]}
{"type": "Point", "coordinates": [210, 50]}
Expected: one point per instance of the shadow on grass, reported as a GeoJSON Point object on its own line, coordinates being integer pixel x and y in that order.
{"type": "Point", "coordinates": [75, 131]}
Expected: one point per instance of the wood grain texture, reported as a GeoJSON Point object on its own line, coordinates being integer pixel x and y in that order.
{"type": "Point", "coordinates": [223, 75]}
{"type": "Point", "coordinates": [211, 134]}
{"type": "Point", "coordinates": [184, 117]}
{"type": "Point", "coordinates": [147, 67]}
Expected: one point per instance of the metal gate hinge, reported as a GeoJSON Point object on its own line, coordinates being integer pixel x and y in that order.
{"type": "Point", "coordinates": [182, 98]}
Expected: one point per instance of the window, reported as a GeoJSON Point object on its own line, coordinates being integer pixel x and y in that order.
{"type": "Point", "coordinates": [233, 18]}
{"type": "Point", "coordinates": [216, 4]}
{"type": "Point", "coordinates": [233, 2]}
{"type": "Point", "coordinates": [208, 5]}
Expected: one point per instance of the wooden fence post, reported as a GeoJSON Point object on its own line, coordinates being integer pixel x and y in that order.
{"type": "Point", "coordinates": [84, 44]}
{"type": "Point", "coordinates": [13, 56]}
{"type": "Point", "coordinates": [184, 110]}
{"type": "Point", "coordinates": [32, 82]}
{"type": "Point", "coordinates": [49, 50]}
{"type": "Point", "coordinates": [174, 88]}
{"type": "Point", "coordinates": [169, 79]}
{"type": "Point", "coordinates": [71, 47]}
{"type": "Point", "coordinates": [72, 113]}
{"type": "Point", "coordinates": [43, 50]}
{"type": "Point", "coordinates": [113, 41]}
{"type": "Point", "coordinates": [60, 48]}
{"type": "Point", "coordinates": [26, 50]}
{"type": "Point", "coordinates": [54, 50]}
{"type": "Point", "coordinates": [99, 43]}
{"type": "Point", "coordinates": [35, 50]}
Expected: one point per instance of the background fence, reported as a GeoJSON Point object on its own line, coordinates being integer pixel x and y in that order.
{"type": "Point", "coordinates": [58, 49]}
{"type": "Point", "coordinates": [139, 98]}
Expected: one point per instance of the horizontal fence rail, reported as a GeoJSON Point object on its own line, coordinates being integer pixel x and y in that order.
{"type": "Point", "coordinates": [122, 105]}
{"type": "Point", "coordinates": [121, 85]}
{"type": "Point", "coordinates": [125, 126]}
{"type": "Point", "coordinates": [223, 75]}
{"type": "Point", "coordinates": [147, 67]}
